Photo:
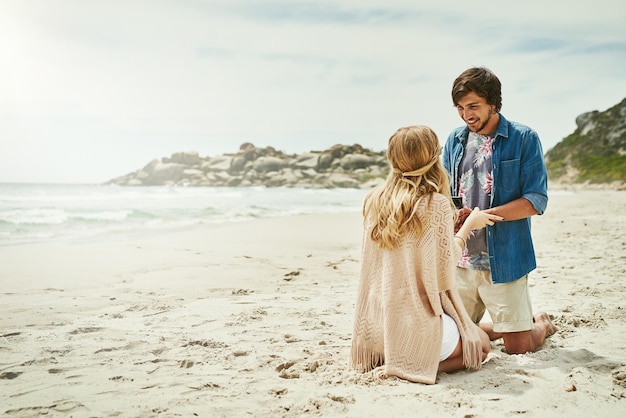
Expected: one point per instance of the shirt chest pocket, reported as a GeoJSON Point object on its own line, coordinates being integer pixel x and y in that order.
{"type": "Point", "coordinates": [509, 177]}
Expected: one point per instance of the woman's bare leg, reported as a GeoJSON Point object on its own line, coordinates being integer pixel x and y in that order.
{"type": "Point", "coordinates": [455, 361]}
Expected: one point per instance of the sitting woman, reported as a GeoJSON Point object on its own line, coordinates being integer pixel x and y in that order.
{"type": "Point", "coordinates": [409, 320]}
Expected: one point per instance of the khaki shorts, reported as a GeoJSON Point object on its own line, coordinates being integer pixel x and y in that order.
{"type": "Point", "coordinates": [508, 304]}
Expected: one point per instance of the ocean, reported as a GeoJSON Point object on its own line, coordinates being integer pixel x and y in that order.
{"type": "Point", "coordinates": [40, 212]}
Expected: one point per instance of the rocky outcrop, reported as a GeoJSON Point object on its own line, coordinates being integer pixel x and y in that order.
{"type": "Point", "coordinates": [350, 166]}
{"type": "Point", "coordinates": [594, 155]}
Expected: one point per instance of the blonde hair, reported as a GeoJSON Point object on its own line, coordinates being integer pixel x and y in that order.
{"type": "Point", "coordinates": [391, 210]}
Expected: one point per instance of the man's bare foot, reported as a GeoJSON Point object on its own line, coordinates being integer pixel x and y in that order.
{"type": "Point", "coordinates": [543, 320]}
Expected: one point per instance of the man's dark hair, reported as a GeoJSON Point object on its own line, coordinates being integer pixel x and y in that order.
{"type": "Point", "coordinates": [481, 81]}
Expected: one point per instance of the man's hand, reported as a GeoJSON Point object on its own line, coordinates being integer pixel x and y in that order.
{"type": "Point", "coordinates": [462, 215]}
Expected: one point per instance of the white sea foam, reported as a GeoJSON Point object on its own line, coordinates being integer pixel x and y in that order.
{"type": "Point", "coordinates": [35, 211]}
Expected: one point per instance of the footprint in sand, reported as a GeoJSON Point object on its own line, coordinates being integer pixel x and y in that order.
{"type": "Point", "coordinates": [186, 364]}
{"type": "Point", "coordinates": [278, 392]}
{"type": "Point", "coordinates": [619, 377]}
{"type": "Point", "coordinates": [85, 330]}
{"type": "Point", "coordinates": [206, 343]}
{"type": "Point", "coordinates": [10, 375]}
{"type": "Point", "coordinates": [291, 275]}
{"type": "Point", "coordinates": [284, 371]}
{"type": "Point", "coordinates": [60, 406]}
{"type": "Point", "coordinates": [291, 338]}
{"type": "Point", "coordinates": [121, 379]}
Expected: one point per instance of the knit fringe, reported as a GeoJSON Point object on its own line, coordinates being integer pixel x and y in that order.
{"type": "Point", "coordinates": [365, 360]}
{"type": "Point", "coordinates": [472, 353]}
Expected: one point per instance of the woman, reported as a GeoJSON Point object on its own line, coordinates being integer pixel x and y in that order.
{"type": "Point", "coordinates": [409, 320]}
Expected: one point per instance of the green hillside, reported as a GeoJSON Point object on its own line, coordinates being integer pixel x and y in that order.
{"type": "Point", "coordinates": [595, 152]}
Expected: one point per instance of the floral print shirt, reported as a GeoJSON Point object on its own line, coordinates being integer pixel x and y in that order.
{"type": "Point", "coordinates": [475, 182]}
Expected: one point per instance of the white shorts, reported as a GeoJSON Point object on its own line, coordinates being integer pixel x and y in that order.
{"type": "Point", "coordinates": [450, 337]}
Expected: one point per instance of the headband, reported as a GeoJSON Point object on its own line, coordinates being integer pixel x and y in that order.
{"type": "Point", "coordinates": [420, 171]}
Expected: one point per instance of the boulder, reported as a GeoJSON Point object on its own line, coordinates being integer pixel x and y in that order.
{"type": "Point", "coordinates": [355, 161]}
{"type": "Point", "coordinates": [165, 174]}
{"type": "Point", "coordinates": [237, 164]}
{"type": "Point", "coordinates": [221, 163]}
{"type": "Point", "coordinates": [325, 160]}
{"type": "Point", "coordinates": [339, 166]}
{"type": "Point", "coordinates": [266, 164]}
{"type": "Point", "coordinates": [186, 158]}
{"type": "Point", "coordinates": [306, 161]}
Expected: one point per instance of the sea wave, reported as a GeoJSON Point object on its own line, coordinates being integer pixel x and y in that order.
{"type": "Point", "coordinates": [36, 212]}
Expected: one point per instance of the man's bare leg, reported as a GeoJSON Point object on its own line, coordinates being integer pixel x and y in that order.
{"type": "Point", "coordinates": [524, 341]}
{"type": "Point", "coordinates": [488, 328]}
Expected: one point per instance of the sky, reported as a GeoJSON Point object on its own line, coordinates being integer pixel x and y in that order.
{"type": "Point", "coordinates": [91, 90]}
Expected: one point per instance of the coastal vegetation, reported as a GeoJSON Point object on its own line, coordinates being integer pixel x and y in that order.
{"type": "Point", "coordinates": [595, 153]}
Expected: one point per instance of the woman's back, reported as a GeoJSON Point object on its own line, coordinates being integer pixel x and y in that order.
{"type": "Point", "coordinates": [398, 304]}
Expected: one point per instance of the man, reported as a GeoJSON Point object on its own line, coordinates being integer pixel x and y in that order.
{"type": "Point", "coordinates": [497, 165]}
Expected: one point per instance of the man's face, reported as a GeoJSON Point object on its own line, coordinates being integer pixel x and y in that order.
{"type": "Point", "coordinates": [479, 116]}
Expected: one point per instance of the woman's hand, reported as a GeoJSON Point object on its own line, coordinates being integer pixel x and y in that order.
{"type": "Point", "coordinates": [478, 219]}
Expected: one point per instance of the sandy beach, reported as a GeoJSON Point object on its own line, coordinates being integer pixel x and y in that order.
{"type": "Point", "coordinates": [255, 319]}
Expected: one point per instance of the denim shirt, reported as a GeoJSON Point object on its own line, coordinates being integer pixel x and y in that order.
{"type": "Point", "coordinates": [519, 170]}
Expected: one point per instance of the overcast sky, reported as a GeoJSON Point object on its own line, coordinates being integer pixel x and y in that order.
{"type": "Point", "coordinates": [90, 90]}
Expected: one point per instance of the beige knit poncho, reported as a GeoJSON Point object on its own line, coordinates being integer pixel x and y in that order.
{"type": "Point", "coordinates": [401, 296]}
